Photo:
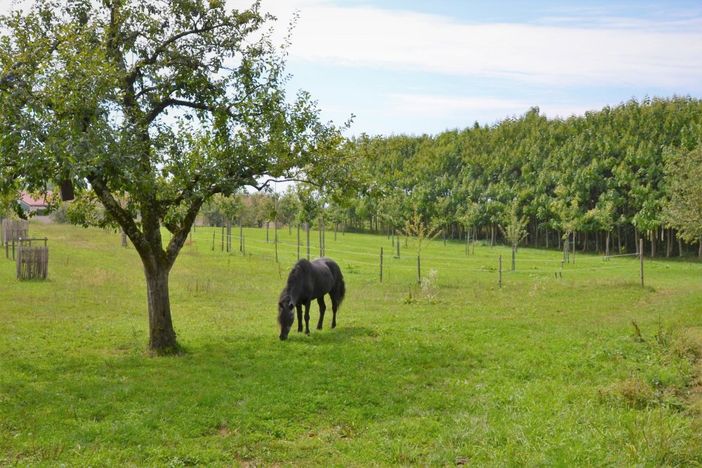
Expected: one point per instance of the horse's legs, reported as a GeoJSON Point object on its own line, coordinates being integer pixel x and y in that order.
{"type": "Point", "coordinates": [299, 318]}
{"type": "Point", "coordinates": [307, 317]}
{"type": "Point", "coordinates": [322, 308]}
{"type": "Point", "coordinates": [335, 306]}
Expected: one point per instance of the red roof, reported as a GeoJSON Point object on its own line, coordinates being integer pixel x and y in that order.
{"type": "Point", "coordinates": [40, 202]}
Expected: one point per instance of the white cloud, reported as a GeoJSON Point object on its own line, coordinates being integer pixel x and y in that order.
{"type": "Point", "coordinates": [610, 53]}
{"type": "Point", "coordinates": [437, 105]}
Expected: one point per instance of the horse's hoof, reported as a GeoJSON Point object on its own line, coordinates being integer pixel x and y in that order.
{"type": "Point", "coordinates": [307, 333]}
{"type": "Point", "coordinates": [319, 327]}
{"type": "Point", "coordinates": [333, 325]}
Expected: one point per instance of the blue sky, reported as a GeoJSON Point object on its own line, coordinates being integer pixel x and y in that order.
{"type": "Point", "coordinates": [422, 67]}
{"type": "Point", "coordinates": [414, 67]}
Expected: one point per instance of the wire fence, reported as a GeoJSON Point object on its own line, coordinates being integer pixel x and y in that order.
{"type": "Point", "coordinates": [387, 265]}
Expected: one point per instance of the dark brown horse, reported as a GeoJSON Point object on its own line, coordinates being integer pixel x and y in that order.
{"type": "Point", "coordinates": [308, 281]}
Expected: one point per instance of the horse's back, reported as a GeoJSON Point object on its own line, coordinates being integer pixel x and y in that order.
{"type": "Point", "coordinates": [337, 286]}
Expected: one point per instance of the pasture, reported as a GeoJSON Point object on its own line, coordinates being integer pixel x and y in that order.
{"type": "Point", "coordinates": [562, 365]}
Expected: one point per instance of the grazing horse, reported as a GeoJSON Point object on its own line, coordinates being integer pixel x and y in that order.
{"type": "Point", "coordinates": [308, 281]}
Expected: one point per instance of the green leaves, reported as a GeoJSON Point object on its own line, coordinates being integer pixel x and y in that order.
{"type": "Point", "coordinates": [598, 172]}
{"type": "Point", "coordinates": [683, 210]}
{"type": "Point", "coordinates": [167, 101]}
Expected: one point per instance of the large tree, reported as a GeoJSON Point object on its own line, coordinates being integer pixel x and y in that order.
{"type": "Point", "coordinates": [152, 107]}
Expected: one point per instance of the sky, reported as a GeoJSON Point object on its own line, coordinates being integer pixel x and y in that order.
{"type": "Point", "coordinates": [416, 67]}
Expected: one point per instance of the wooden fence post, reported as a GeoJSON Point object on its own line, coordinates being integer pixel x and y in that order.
{"type": "Point", "coordinates": [419, 270]}
{"type": "Point", "coordinates": [467, 239]}
{"type": "Point", "coordinates": [324, 238]}
{"type": "Point", "coordinates": [641, 260]}
{"type": "Point", "coordinates": [381, 264]}
{"type": "Point", "coordinates": [499, 269]}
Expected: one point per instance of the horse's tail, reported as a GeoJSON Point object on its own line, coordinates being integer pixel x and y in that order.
{"type": "Point", "coordinates": [339, 289]}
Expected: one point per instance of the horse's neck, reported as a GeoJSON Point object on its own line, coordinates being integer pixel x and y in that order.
{"type": "Point", "coordinates": [295, 291]}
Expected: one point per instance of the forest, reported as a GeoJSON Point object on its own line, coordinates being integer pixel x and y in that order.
{"type": "Point", "coordinates": [602, 181]}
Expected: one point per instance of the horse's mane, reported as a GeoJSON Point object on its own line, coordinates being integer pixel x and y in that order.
{"type": "Point", "coordinates": [296, 277]}
{"type": "Point", "coordinates": [301, 268]}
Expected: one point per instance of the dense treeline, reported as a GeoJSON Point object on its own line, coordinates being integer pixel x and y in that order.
{"type": "Point", "coordinates": [598, 178]}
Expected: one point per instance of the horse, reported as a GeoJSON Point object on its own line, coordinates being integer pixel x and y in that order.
{"type": "Point", "coordinates": [308, 281]}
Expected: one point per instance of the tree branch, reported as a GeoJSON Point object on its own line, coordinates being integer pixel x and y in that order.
{"type": "Point", "coordinates": [267, 182]}
{"type": "Point", "coordinates": [181, 233]}
{"type": "Point", "coordinates": [123, 218]}
{"type": "Point", "coordinates": [150, 60]}
{"type": "Point", "coordinates": [163, 105]}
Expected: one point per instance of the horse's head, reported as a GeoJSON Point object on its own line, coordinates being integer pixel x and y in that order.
{"type": "Point", "coordinates": [286, 317]}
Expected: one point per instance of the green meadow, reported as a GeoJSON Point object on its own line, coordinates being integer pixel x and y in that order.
{"type": "Point", "coordinates": [565, 364]}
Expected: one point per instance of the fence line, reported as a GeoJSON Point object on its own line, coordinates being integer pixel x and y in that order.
{"type": "Point", "coordinates": [435, 260]}
{"type": "Point", "coordinates": [408, 263]}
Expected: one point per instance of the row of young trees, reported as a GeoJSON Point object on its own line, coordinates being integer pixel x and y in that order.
{"type": "Point", "coordinates": [608, 177]}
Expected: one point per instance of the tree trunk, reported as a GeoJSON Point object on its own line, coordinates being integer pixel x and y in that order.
{"type": "Point", "coordinates": [607, 245]}
{"type": "Point", "coordinates": [162, 336]}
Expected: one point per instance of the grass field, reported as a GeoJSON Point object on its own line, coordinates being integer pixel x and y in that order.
{"type": "Point", "coordinates": [547, 370]}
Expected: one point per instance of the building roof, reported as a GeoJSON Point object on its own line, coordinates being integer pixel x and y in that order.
{"type": "Point", "coordinates": [32, 202]}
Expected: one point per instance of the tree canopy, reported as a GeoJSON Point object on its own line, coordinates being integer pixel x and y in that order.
{"type": "Point", "coordinates": [600, 173]}
{"type": "Point", "coordinates": [151, 108]}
